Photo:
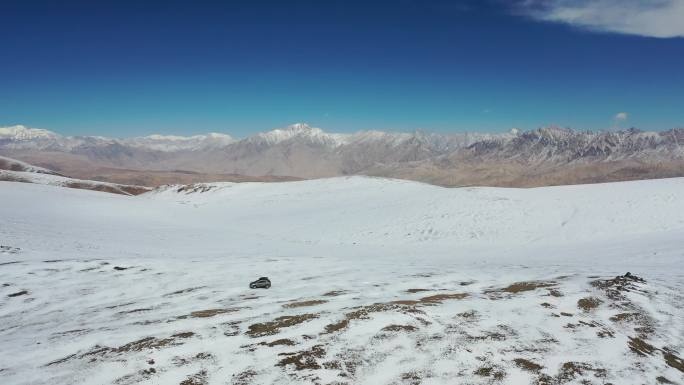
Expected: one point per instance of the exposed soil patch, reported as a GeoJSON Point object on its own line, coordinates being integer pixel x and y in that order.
{"type": "Point", "coordinates": [626, 317]}
{"type": "Point", "coordinates": [120, 305]}
{"type": "Point", "coordinates": [471, 314]}
{"type": "Point", "coordinates": [527, 365]}
{"type": "Point", "coordinates": [411, 378]}
{"type": "Point", "coordinates": [663, 380]}
{"type": "Point", "coordinates": [643, 348]}
{"type": "Point", "coordinates": [306, 359]}
{"type": "Point", "coordinates": [9, 263]}
{"type": "Point", "coordinates": [137, 377]}
{"type": "Point", "coordinates": [365, 311]}
{"type": "Point", "coordinates": [489, 335]}
{"type": "Point", "coordinates": [571, 370]}
{"type": "Point", "coordinates": [230, 329]}
{"type": "Point", "coordinates": [334, 293]}
{"type": "Point", "coordinates": [280, 342]}
{"type": "Point", "coordinates": [69, 332]}
{"type": "Point", "coordinates": [135, 346]}
{"type": "Point", "coordinates": [243, 378]}
{"type": "Point", "coordinates": [208, 313]}
{"type": "Point", "coordinates": [199, 378]}
{"type": "Point", "coordinates": [135, 311]}
{"type": "Point", "coordinates": [273, 327]}
{"type": "Point", "coordinates": [673, 360]}
{"type": "Point", "coordinates": [588, 303]}
{"type": "Point", "coordinates": [182, 361]}
{"type": "Point", "coordinates": [489, 371]}
{"type": "Point", "coordinates": [430, 300]}
{"type": "Point", "coordinates": [248, 297]}
{"type": "Point", "coordinates": [399, 328]}
{"type": "Point", "coordinates": [438, 298]}
{"type": "Point", "coordinates": [304, 303]}
{"type": "Point", "coordinates": [9, 249]}
{"type": "Point", "coordinates": [615, 287]}
{"type": "Point", "coordinates": [555, 293]}
{"type": "Point", "coordinates": [152, 343]}
{"type": "Point", "coordinates": [411, 291]}
{"type": "Point", "coordinates": [17, 294]}
{"type": "Point", "coordinates": [183, 291]}
{"type": "Point", "coordinates": [519, 287]}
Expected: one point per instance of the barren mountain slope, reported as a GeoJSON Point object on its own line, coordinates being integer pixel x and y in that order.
{"type": "Point", "coordinates": [546, 156]}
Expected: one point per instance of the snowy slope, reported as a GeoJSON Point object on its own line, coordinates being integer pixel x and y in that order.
{"type": "Point", "coordinates": [17, 165]}
{"type": "Point", "coordinates": [42, 176]}
{"type": "Point", "coordinates": [375, 281]}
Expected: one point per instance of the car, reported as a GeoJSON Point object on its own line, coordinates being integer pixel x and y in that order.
{"type": "Point", "coordinates": [261, 283]}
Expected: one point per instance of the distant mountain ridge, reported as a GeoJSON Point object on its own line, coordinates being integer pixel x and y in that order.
{"type": "Point", "coordinates": [12, 170]}
{"type": "Point", "coordinates": [549, 155]}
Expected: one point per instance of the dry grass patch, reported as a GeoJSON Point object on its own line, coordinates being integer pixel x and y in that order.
{"type": "Point", "coordinates": [672, 360]}
{"type": "Point", "coordinates": [280, 342]}
{"type": "Point", "coordinates": [314, 302]}
{"type": "Point", "coordinates": [399, 328]}
{"type": "Point", "coordinates": [199, 378]}
{"type": "Point", "coordinates": [640, 347]}
{"type": "Point", "coordinates": [615, 287]}
{"type": "Point", "coordinates": [527, 365]}
{"type": "Point", "coordinates": [305, 359]}
{"type": "Point", "coordinates": [412, 378]}
{"type": "Point", "coordinates": [243, 378]}
{"type": "Point", "coordinates": [571, 370]}
{"type": "Point", "coordinates": [334, 293]}
{"type": "Point", "coordinates": [413, 291]}
{"type": "Point", "coordinates": [142, 344]}
{"type": "Point", "coordinates": [628, 317]}
{"type": "Point", "coordinates": [439, 298]}
{"type": "Point", "coordinates": [153, 343]}
{"type": "Point", "coordinates": [182, 361]}
{"type": "Point", "coordinates": [430, 300]}
{"type": "Point", "coordinates": [208, 313]}
{"type": "Point", "coordinates": [273, 327]}
{"type": "Point", "coordinates": [365, 311]}
{"type": "Point", "coordinates": [490, 371]}
{"type": "Point", "coordinates": [519, 287]}
{"type": "Point", "coordinates": [588, 303]}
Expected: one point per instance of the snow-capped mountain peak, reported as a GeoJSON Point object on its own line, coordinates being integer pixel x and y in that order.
{"type": "Point", "coordinates": [21, 132]}
{"type": "Point", "coordinates": [169, 143]}
{"type": "Point", "coordinates": [301, 131]}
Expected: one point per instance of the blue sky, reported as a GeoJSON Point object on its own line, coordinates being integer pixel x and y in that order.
{"type": "Point", "coordinates": [123, 68]}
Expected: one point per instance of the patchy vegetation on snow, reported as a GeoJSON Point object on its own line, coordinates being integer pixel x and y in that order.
{"type": "Point", "coordinates": [153, 289]}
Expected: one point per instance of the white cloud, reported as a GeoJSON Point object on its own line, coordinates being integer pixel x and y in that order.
{"type": "Point", "coordinates": [621, 116]}
{"type": "Point", "coordinates": [652, 18]}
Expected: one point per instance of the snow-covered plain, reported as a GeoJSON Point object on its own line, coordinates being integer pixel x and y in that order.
{"type": "Point", "coordinates": [375, 281]}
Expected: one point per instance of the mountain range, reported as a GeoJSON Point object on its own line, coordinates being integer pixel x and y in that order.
{"type": "Point", "coordinates": [545, 156]}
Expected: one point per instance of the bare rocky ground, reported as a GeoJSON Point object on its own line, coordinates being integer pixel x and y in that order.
{"type": "Point", "coordinates": [151, 322]}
